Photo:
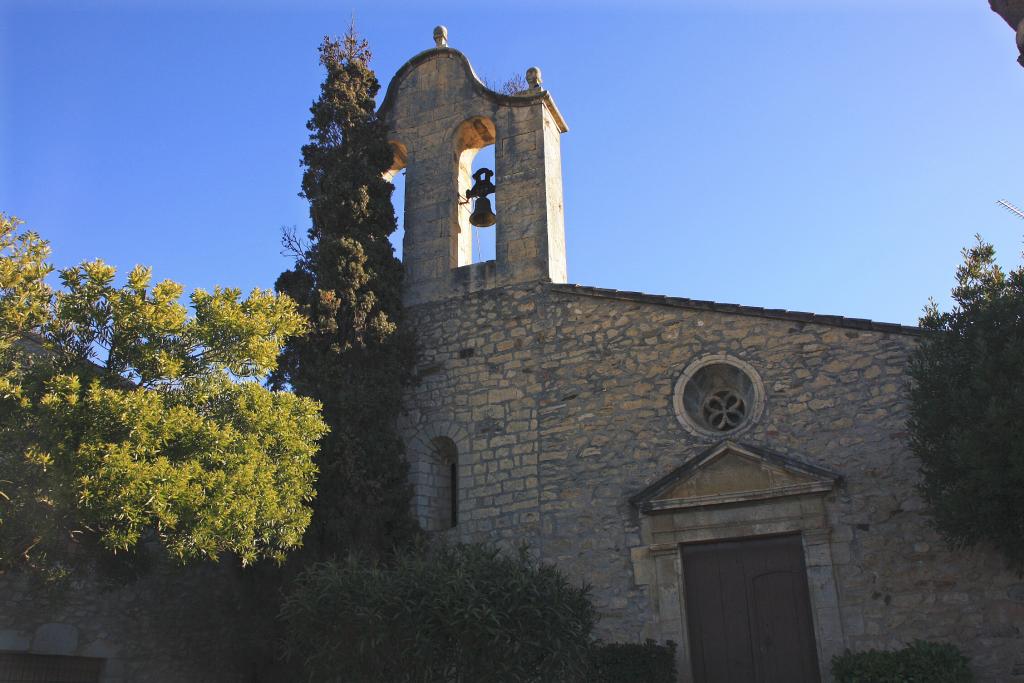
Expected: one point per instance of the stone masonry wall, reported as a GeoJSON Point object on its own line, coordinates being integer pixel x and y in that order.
{"type": "Point", "coordinates": [559, 401]}
{"type": "Point", "coordinates": [438, 113]}
{"type": "Point", "coordinates": [202, 625]}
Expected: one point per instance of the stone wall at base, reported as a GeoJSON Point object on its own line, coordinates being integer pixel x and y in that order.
{"type": "Point", "coordinates": [560, 403]}
{"type": "Point", "coordinates": [202, 624]}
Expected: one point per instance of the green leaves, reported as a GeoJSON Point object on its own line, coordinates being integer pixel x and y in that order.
{"type": "Point", "coordinates": [24, 301]}
{"type": "Point", "coordinates": [646, 662]}
{"type": "Point", "coordinates": [919, 662]}
{"type": "Point", "coordinates": [148, 336]}
{"type": "Point", "coordinates": [461, 613]}
{"type": "Point", "coordinates": [24, 294]}
{"type": "Point", "coordinates": [966, 424]}
{"type": "Point", "coordinates": [214, 467]}
{"type": "Point", "coordinates": [243, 337]}
{"type": "Point", "coordinates": [355, 354]}
{"type": "Point", "coordinates": [131, 425]}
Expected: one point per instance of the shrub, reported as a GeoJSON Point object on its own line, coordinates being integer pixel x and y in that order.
{"type": "Point", "coordinates": [920, 662]}
{"type": "Point", "coordinates": [966, 425]}
{"type": "Point", "coordinates": [646, 662]}
{"type": "Point", "coordinates": [459, 613]}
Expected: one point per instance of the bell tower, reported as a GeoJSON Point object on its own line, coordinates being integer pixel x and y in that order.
{"type": "Point", "coordinates": [439, 115]}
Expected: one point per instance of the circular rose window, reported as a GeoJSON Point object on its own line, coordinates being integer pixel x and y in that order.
{"type": "Point", "coordinates": [718, 395]}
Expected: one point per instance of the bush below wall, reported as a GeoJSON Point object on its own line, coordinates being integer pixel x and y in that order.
{"type": "Point", "coordinates": [646, 662]}
{"type": "Point", "coordinates": [460, 613]}
{"type": "Point", "coordinates": [921, 662]}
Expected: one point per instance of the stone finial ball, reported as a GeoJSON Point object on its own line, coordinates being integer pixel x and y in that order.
{"type": "Point", "coordinates": [440, 36]}
{"type": "Point", "coordinates": [533, 77]}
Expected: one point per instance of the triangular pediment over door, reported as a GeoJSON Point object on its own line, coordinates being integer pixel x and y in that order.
{"type": "Point", "coordinates": [730, 472]}
{"type": "Point", "coordinates": [762, 505]}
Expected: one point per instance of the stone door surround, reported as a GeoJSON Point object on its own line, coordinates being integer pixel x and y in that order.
{"type": "Point", "coordinates": [734, 491]}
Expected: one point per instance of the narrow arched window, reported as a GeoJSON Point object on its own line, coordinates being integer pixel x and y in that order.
{"type": "Point", "coordinates": [453, 478]}
{"type": "Point", "coordinates": [444, 478]}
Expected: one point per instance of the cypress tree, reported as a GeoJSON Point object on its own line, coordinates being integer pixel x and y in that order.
{"type": "Point", "coordinates": [346, 278]}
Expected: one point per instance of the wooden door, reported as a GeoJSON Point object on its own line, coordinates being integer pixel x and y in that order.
{"type": "Point", "coordinates": [748, 612]}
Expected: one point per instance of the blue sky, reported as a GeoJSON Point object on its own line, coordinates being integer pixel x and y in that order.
{"type": "Point", "coordinates": [823, 156]}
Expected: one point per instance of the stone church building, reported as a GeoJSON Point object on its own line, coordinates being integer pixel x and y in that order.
{"type": "Point", "coordinates": [733, 479]}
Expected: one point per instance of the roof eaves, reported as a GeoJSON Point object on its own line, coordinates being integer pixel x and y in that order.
{"type": "Point", "coordinates": [714, 306]}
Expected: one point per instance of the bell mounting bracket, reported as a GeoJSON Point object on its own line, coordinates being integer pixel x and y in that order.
{"type": "Point", "coordinates": [482, 185]}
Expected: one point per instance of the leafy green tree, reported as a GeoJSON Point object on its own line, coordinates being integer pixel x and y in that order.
{"type": "Point", "coordinates": [355, 356]}
{"type": "Point", "coordinates": [967, 421]}
{"type": "Point", "coordinates": [24, 298]}
{"type": "Point", "coordinates": [123, 419]}
{"type": "Point", "coordinates": [458, 613]}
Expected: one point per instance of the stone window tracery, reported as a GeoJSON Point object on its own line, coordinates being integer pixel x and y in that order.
{"type": "Point", "coordinates": [723, 410]}
{"type": "Point", "coordinates": [718, 395]}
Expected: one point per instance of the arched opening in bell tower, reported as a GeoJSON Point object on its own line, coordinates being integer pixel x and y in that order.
{"type": "Point", "coordinates": [396, 176]}
{"type": "Point", "coordinates": [474, 150]}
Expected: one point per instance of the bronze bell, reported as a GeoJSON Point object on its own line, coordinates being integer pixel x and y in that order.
{"type": "Point", "coordinates": [482, 216]}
